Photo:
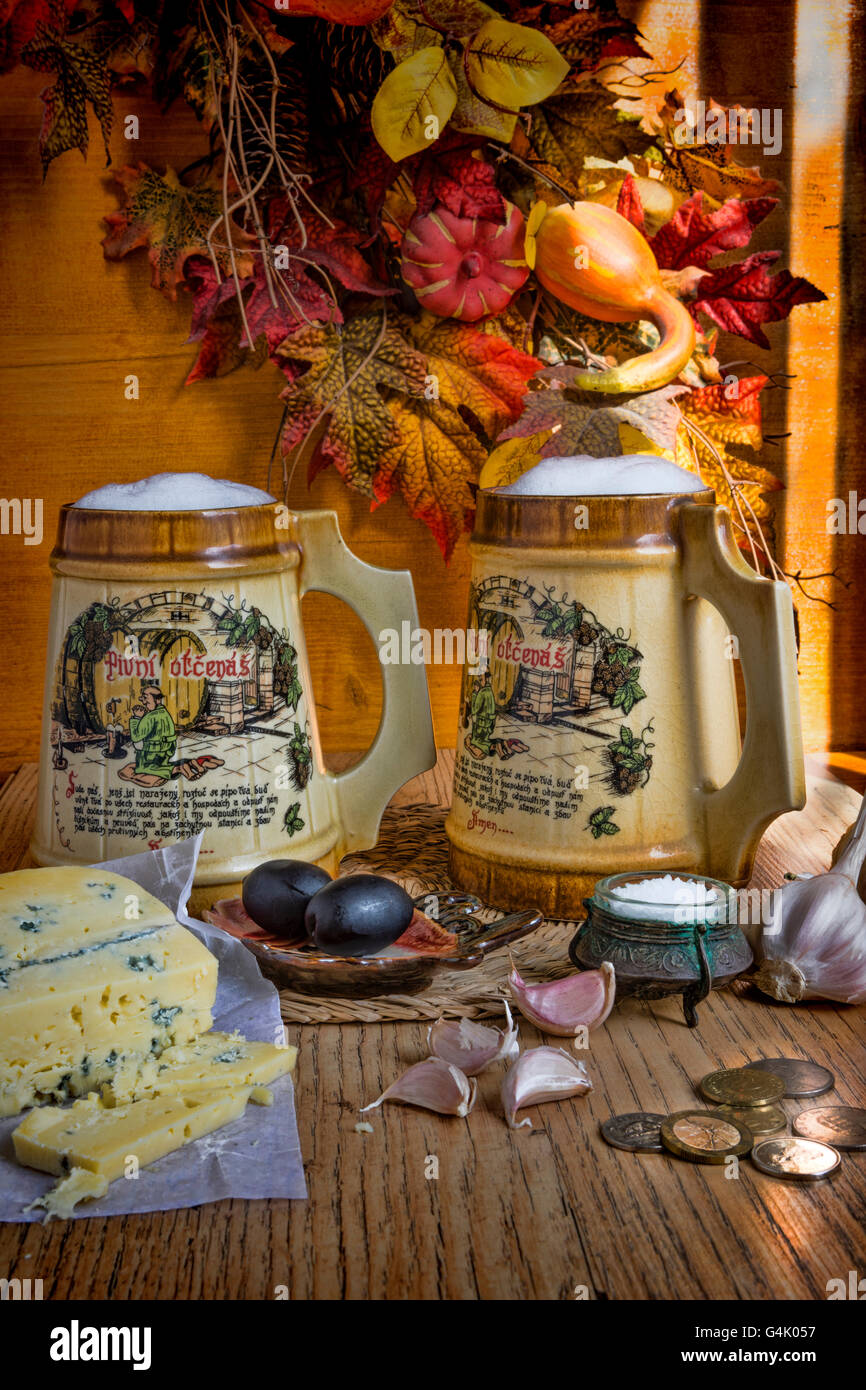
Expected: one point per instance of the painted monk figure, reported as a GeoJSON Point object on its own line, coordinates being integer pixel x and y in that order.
{"type": "Point", "coordinates": [482, 712]}
{"type": "Point", "coordinates": [153, 732]}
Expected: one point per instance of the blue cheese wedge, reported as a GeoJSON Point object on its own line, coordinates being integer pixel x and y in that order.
{"type": "Point", "coordinates": [101, 1141]}
{"type": "Point", "coordinates": [96, 980]}
{"type": "Point", "coordinates": [211, 1062]}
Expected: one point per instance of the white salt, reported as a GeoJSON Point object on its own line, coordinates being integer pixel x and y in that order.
{"type": "Point", "coordinates": [663, 896]}
{"type": "Point", "coordinates": [582, 476]}
{"type": "Point", "coordinates": [174, 492]}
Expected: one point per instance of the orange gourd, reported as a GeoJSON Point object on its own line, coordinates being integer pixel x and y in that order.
{"type": "Point", "coordinates": [598, 263]}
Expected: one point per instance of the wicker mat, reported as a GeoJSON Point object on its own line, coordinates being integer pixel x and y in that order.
{"type": "Point", "coordinates": [412, 849]}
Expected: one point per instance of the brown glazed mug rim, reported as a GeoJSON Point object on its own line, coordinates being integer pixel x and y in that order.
{"type": "Point", "coordinates": [211, 536]}
{"type": "Point", "coordinates": [620, 519]}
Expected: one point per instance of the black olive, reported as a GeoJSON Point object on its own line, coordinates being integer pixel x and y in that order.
{"type": "Point", "coordinates": [358, 915]}
{"type": "Point", "coordinates": [276, 894]}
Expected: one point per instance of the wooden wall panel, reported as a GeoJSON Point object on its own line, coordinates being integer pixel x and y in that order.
{"type": "Point", "coordinates": [72, 327]}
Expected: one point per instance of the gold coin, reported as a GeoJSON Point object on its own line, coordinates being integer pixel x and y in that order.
{"type": "Point", "coordinates": [759, 1119]}
{"type": "Point", "coordinates": [705, 1136]}
{"type": "Point", "coordinates": [742, 1086]}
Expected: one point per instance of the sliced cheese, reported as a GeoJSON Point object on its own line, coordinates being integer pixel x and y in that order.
{"type": "Point", "coordinates": [60, 1201]}
{"type": "Point", "coordinates": [210, 1062]}
{"type": "Point", "coordinates": [87, 996]}
{"type": "Point", "coordinates": [89, 1135]}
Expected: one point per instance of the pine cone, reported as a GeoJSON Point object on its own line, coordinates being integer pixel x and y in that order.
{"type": "Point", "coordinates": [347, 68]}
{"type": "Point", "coordinates": [291, 122]}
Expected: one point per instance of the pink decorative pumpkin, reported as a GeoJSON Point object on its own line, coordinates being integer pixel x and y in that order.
{"type": "Point", "coordinates": [464, 267]}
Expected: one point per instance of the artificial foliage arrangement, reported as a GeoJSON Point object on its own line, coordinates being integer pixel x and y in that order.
{"type": "Point", "coordinates": [467, 235]}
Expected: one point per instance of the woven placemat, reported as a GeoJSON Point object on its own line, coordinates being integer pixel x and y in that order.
{"type": "Point", "coordinates": [413, 850]}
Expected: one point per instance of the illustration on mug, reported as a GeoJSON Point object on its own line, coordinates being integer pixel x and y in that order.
{"type": "Point", "coordinates": [171, 686]}
{"type": "Point", "coordinates": [558, 686]}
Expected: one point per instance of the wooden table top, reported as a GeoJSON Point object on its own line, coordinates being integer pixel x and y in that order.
{"type": "Point", "coordinates": [511, 1215]}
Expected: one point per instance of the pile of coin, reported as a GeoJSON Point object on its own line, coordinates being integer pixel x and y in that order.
{"type": "Point", "coordinates": [747, 1112]}
{"type": "Point", "coordinates": [749, 1097]}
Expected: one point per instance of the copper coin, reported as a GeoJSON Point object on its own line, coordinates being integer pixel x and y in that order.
{"type": "Point", "coordinates": [637, 1131]}
{"type": "Point", "coordinates": [742, 1086]}
{"type": "Point", "coordinates": [798, 1160]}
{"type": "Point", "coordinates": [801, 1078]}
{"type": "Point", "coordinates": [705, 1136]}
{"type": "Point", "coordinates": [759, 1119]}
{"type": "Point", "coordinates": [843, 1126]}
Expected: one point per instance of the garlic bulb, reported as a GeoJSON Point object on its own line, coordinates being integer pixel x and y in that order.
{"type": "Point", "coordinates": [814, 946]}
{"type": "Point", "coordinates": [471, 1046]}
{"type": "Point", "coordinates": [434, 1085]}
{"type": "Point", "coordinates": [565, 1006]}
{"type": "Point", "coordinates": [541, 1074]}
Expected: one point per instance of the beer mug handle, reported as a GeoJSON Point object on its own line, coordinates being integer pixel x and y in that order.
{"type": "Point", "coordinates": [770, 776]}
{"type": "Point", "coordinates": [404, 745]}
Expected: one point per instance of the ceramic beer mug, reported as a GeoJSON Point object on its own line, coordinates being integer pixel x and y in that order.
{"type": "Point", "coordinates": [604, 736]}
{"type": "Point", "coordinates": [178, 693]}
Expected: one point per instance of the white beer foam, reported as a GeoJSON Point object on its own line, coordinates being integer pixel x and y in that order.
{"type": "Point", "coordinates": [582, 476]}
{"type": "Point", "coordinates": [173, 492]}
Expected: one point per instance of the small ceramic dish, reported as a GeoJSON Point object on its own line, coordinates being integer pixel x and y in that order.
{"type": "Point", "coordinates": [458, 941]}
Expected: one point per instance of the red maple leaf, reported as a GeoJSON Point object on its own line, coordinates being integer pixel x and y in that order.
{"type": "Point", "coordinates": [334, 247]}
{"type": "Point", "coordinates": [739, 298]}
{"type": "Point", "coordinates": [376, 172]}
{"type": "Point", "coordinates": [629, 205]}
{"type": "Point", "coordinates": [694, 237]}
{"type": "Point", "coordinates": [217, 323]}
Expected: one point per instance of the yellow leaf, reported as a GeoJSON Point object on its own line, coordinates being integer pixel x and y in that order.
{"type": "Point", "coordinates": [512, 65]}
{"type": "Point", "coordinates": [475, 117]}
{"type": "Point", "coordinates": [414, 103]}
{"type": "Point", "coordinates": [632, 441]}
{"type": "Point", "coordinates": [433, 460]}
{"type": "Point", "coordinates": [512, 458]}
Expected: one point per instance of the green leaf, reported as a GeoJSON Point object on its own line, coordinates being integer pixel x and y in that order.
{"type": "Point", "coordinates": [626, 734]}
{"type": "Point", "coordinates": [414, 103]}
{"type": "Point", "coordinates": [637, 691]}
{"type": "Point", "coordinates": [609, 828]}
{"type": "Point", "coordinates": [512, 65]}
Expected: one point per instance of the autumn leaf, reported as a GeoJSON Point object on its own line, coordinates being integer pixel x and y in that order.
{"type": "Point", "coordinates": [730, 416]}
{"type": "Point", "coordinates": [172, 220]}
{"type": "Point", "coordinates": [694, 236]}
{"type": "Point", "coordinates": [474, 116]}
{"type": "Point", "coordinates": [417, 98]}
{"type": "Point", "coordinates": [581, 121]}
{"type": "Point", "coordinates": [348, 368]}
{"type": "Point", "coordinates": [472, 370]}
{"type": "Point", "coordinates": [217, 323]}
{"type": "Point", "coordinates": [583, 426]}
{"type": "Point", "coordinates": [18, 21]}
{"type": "Point", "coordinates": [509, 460]}
{"type": "Point", "coordinates": [82, 78]}
{"type": "Point", "coordinates": [510, 65]}
{"type": "Point", "coordinates": [331, 244]}
{"type": "Point", "coordinates": [741, 297]}
{"type": "Point", "coordinates": [465, 183]}
{"type": "Point", "coordinates": [432, 461]}
{"type": "Point", "coordinates": [586, 38]}
{"type": "Point", "coordinates": [629, 205]}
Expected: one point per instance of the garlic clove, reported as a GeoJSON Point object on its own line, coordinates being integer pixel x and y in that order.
{"type": "Point", "coordinates": [565, 1006]}
{"type": "Point", "coordinates": [541, 1074]}
{"type": "Point", "coordinates": [434, 1085]}
{"type": "Point", "coordinates": [472, 1046]}
{"type": "Point", "coordinates": [814, 945]}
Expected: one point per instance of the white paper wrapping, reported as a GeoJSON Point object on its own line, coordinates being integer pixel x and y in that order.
{"type": "Point", "coordinates": [257, 1155]}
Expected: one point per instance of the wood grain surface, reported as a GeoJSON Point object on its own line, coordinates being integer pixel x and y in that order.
{"type": "Point", "coordinates": [73, 327]}
{"type": "Point", "coordinates": [512, 1215]}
